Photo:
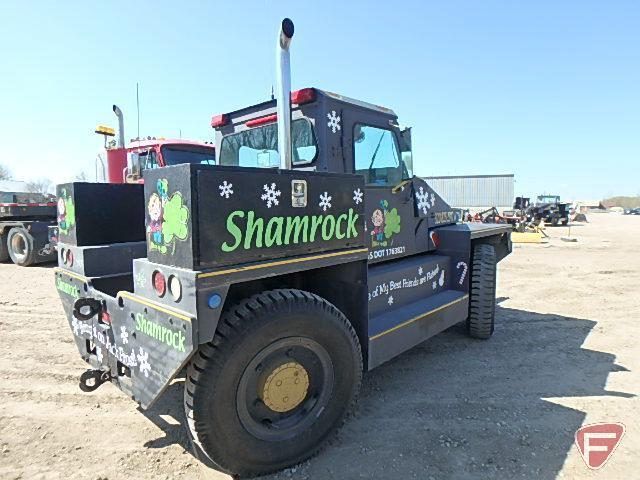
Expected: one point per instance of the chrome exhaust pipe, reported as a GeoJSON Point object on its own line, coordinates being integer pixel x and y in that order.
{"type": "Point", "coordinates": [118, 113]}
{"type": "Point", "coordinates": [283, 93]}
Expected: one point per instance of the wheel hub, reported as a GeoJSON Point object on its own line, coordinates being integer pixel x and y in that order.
{"type": "Point", "coordinates": [285, 387]}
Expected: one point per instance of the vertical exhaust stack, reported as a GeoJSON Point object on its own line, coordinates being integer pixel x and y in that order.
{"type": "Point", "coordinates": [118, 113]}
{"type": "Point", "coordinates": [283, 93]}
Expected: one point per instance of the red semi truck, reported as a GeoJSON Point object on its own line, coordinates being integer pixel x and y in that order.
{"type": "Point", "coordinates": [125, 163]}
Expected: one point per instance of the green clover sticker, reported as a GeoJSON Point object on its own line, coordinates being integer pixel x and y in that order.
{"type": "Point", "coordinates": [392, 223]}
{"type": "Point", "coordinates": [176, 215]}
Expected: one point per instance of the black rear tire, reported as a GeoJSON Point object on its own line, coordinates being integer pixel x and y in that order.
{"type": "Point", "coordinates": [20, 246]}
{"type": "Point", "coordinates": [234, 424]}
{"type": "Point", "coordinates": [4, 251]}
{"type": "Point", "coordinates": [482, 292]}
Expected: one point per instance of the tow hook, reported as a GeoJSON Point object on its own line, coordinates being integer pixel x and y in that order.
{"type": "Point", "coordinates": [92, 379]}
{"type": "Point", "coordinates": [85, 308]}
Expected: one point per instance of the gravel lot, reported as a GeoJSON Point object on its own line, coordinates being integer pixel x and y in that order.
{"type": "Point", "coordinates": [565, 353]}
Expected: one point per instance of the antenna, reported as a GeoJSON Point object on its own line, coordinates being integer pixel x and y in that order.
{"type": "Point", "coordinates": [273, 97]}
{"type": "Point", "coordinates": [138, 107]}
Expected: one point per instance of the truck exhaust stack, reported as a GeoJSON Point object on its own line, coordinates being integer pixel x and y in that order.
{"type": "Point", "coordinates": [118, 113]}
{"type": "Point", "coordinates": [283, 93]}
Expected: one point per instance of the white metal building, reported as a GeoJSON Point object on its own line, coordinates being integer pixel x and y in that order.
{"type": "Point", "coordinates": [475, 192]}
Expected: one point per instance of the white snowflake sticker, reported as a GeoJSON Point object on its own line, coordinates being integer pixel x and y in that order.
{"type": "Point", "coordinates": [143, 361]}
{"type": "Point", "coordinates": [225, 189]}
{"type": "Point", "coordinates": [422, 198]}
{"type": "Point", "coordinates": [124, 335]}
{"type": "Point", "coordinates": [271, 195]}
{"type": "Point", "coordinates": [357, 196]}
{"type": "Point", "coordinates": [390, 300]}
{"type": "Point", "coordinates": [325, 201]}
{"type": "Point", "coordinates": [334, 121]}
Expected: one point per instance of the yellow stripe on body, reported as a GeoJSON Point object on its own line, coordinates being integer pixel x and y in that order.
{"type": "Point", "coordinates": [281, 262]}
{"type": "Point", "coordinates": [154, 305]}
{"type": "Point", "coordinates": [414, 319]}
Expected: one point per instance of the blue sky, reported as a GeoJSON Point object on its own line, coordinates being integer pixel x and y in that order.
{"type": "Point", "coordinates": [547, 90]}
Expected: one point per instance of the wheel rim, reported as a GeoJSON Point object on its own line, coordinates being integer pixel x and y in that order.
{"type": "Point", "coordinates": [284, 388]}
{"type": "Point", "coordinates": [19, 246]}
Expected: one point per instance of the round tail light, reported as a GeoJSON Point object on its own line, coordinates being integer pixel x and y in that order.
{"type": "Point", "coordinates": [159, 283]}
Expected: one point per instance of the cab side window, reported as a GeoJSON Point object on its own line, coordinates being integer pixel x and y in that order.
{"type": "Point", "coordinates": [376, 155]}
{"type": "Point", "coordinates": [149, 160]}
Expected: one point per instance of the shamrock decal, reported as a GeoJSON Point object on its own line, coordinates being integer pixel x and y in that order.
{"type": "Point", "coordinates": [175, 219]}
{"type": "Point", "coordinates": [168, 217]}
{"type": "Point", "coordinates": [392, 224]}
{"type": "Point", "coordinates": [66, 212]}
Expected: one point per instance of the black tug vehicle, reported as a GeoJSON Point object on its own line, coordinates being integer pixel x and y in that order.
{"type": "Point", "coordinates": [307, 255]}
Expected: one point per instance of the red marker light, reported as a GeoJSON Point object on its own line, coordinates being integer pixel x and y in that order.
{"type": "Point", "coordinates": [219, 120]}
{"type": "Point", "coordinates": [435, 238]}
{"type": "Point", "coordinates": [105, 317]}
{"type": "Point", "coordinates": [306, 95]}
{"type": "Point", "coordinates": [159, 283]}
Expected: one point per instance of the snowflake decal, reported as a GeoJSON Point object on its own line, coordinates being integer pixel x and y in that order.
{"type": "Point", "coordinates": [143, 360]}
{"type": "Point", "coordinates": [334, 121]}
{"type": "Point", "coordinates": [141, 280]}
{"type": "Point", "coordinates": [225, 189]}
{"type": "Point", "coordinates": [99, 354]}
{"type": "Point", "coordinates": [124, 335]}
{"type": "Point", "coordinates": [357, 196]}
{"type": "Point", "coordinates": [422, 198]}
{"type": "Point", "coordinates": [325, 201]}
{"type": "Point", "coordinates": [76, 326]}
{"type": "Point", "coordinates": [271, 195]}
{"type": "Point", "coordinates": [390, 300]}
{"type": "Point", "coordinates": [420, 271]}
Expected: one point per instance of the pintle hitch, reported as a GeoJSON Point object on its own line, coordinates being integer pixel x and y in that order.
{"type": "Point", "coordinates": [92, 379]}
{"type": "Point", "coordinates": [86, 308]}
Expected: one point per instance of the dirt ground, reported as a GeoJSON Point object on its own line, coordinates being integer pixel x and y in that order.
{"type": "Point", "coordinates": [565, 353]}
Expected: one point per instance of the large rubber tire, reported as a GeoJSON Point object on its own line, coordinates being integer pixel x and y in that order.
{"type": "Point", "coordinates": [482, 288]}
{"type": "Point", "coordinates": [20, 245]}
{"type": "Point", "coordinates": [217, 400]}
{"type": "Point", "coordinates": [4, 250]}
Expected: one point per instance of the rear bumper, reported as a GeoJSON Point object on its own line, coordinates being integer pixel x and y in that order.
{"type": "Point", "coordinates": [141, 344]}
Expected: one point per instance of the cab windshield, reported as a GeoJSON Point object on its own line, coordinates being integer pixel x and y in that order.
{"type": "Point", "coordinates": [178, 154]}
{"type": "Point", "coordinates": [258, 147]}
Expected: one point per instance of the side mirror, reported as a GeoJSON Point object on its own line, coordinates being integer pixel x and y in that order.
{"type": "Point", "coordinates": [405, 149]}
{"type": "Point", "coordinates": [133, 165]}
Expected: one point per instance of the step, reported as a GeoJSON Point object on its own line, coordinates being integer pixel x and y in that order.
{"type": "Point", "coordinates": [394, 331]}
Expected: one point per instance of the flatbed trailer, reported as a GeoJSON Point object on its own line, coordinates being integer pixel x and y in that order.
{"type": "Point", "coordinates": [24, 222]}
{"type": "Point", "coordinates": [307, 255]}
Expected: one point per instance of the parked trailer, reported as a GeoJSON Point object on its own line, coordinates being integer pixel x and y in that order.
{"type": "Point", "coordinates": [24, 220]}
{"type": "Point", "coordinates": [275, 287]}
